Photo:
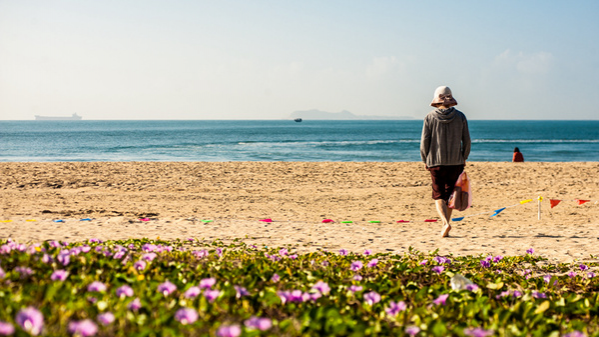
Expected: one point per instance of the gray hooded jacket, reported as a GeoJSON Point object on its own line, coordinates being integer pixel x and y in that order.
{"type": "Point", "coordinates": [445, 138]}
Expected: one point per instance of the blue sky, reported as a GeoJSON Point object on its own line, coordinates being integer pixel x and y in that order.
{"type": "Point", "coordinates": [265, 59]}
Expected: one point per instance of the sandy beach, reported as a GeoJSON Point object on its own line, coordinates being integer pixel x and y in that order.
{"type": "Point", "coordinates": [297, 196]}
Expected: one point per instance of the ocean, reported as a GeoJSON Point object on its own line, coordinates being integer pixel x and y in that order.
{"type": "Point", "coordinates": [284, 140]}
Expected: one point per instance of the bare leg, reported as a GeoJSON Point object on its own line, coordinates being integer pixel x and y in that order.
{"type": "Point", "coordinates": [445, 214]}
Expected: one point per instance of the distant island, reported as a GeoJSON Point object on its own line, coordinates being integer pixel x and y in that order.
{"type": "Point", "coordinates": [343, 115]}
{"type": "Point", "coordinates": [73, 117]}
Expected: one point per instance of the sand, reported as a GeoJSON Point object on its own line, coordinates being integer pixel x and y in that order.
{"type": "Point", "coordinates": [297, 196]}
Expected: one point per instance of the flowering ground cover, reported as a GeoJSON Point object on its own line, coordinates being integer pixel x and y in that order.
{"type": "Point", "coordinates": [193, 288]}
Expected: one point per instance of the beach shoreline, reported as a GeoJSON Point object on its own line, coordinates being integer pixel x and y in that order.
{"type": "Point", "coordinates": [297, 196]}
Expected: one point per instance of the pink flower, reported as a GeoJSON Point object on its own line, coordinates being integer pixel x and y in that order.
{"type": "Point", "coordinates": [423, 262]}
{"type": "Point", "coordinates": [140, 265]}
{"type": "Point", "coordinates": [275, 278]}
{"type": "Point", "coordinates": [478, 332]}
{"type": "Point", "coordinates": [149, 257]}
{"type": "Point", "coordinates": [31, 320]}
{"type": "Point", "coordinates": [396, 307]}
{"type": "Point", "coordinates": [354, 288]}
{"type": "Point", "coordinates": [356, 265]}
{"type": "Point", "coordinates": [261, 324]}
{"type": "Point", "coordinates": [343, 252]}
{"type": "Point", "coordinates": [371, 298]}
{"type": "Point", "coordinates": [83, 328]}
{"type": "Point", "coordinates": [192, 292]}
{"type": "Point", "coordinates": [372, 263]}
{"type": "Point", "coordinates": [6, 329]}
{"type": "Point", "coordinates": [441, 299]}
{"type": "Point", "coordinates": [106, 318]}
{"type": "Point", "coordinates": [438, 269]}
{"type": "Point", "coordinates": [412, 330]}
{"type": "Point", "coordinates": [241, 291]}
{"type": "Point", "coordinates": [135, 304]}
{"type": "Point", "coordinates": [229, 331]}
{"type": "Point", "coordinates": [584, 267]}
{"type": "Point", "coordinates": [207, 283]}
{"type": "Point", "coordinates": [96, 286]}
{"type": "Point", "coordinates": [530, 251]}
{"type": "Point", "coordinates": [59, 275]}
{"type": "Point", "coordinates": [321, 287]}
{"type": "Point", "coordinates": [211, 295]}
{"type": "Point", "coordinates": [166, 288]}
{"type": "Point", "coordinates": [186, 316]}
{"type": "Point", "coordinates": [367, 252]}
{"type": "Point", "coordinates": [124, 291]}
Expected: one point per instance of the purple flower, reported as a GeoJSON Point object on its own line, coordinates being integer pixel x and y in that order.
{"type": "Point", "coordinates": [47, 258]}
{"type": "Point", "coordinates": [186, 316]}
{"type": "Point", "coordinates": [219, 252]}
{"type": "Point", "coordinates": [321, 287]}
{"type": "Point", "coordinates": [140, 265]}
{"type": "Point", "coordinates": [83, 328]}
{"type": "Point", "coordinates": [207, 283]}
{"type": "Point", "coordinates": [530, 251]}
{"type": "Point", "coordinates": [259, 323]}
{"type": "Point", "coordinates": [211, 295]}
{"type": "Point", "coordinates": [497, 258]}
{"type": "Point", "coordinates": [24, 271]}
{"type": "Point", "coordinates": [325, 263]}
{"type": "Point", "coordinates": [358, 277]}
{"type": "Point", "coordinates": [124, 291]}
{"type": "Point", "coordinates": [441, 299]}
{"type": "Point", "coordinates": [412, 330]}
{"type": "Point", "coordinates": [6, 329]}
{"type": "Point", "coordinates": [547, 278]}
{"type": "Point", "coordinates": [59, 275]}
{"type": "Point", "coordinates": [343, 252]}
{"type": "Point", "coordinates": [118, 255]}
{"type": "Point", "coordinates": [471, 287]}
{"type": "Point", "coordinates": [537, 294]}
{"type": "Point", "coordinates": [275, 278]}
{"type": "Point", "coordinates": [423, 263]}
{"type": "Point", "coordinates": [438, 269]}
{"type": "Point", "coordinates": [149, 257]}
{"type": "Point", "coordinates": [200, 253]}
{"type": "Point", "coordinates": [96, 286]}
{"type": "Point", "coordinates": [31, 320]}
{"type": "Point", "coordinates": [572, 274]}
{"type": "Point", "coordinates": [503, 294]}
{"type": "Point", "coordinates": [371, 298]}
{"type": "Point", "coordinates": [591, 274]}
{"type": "Point", "coordinates": [517, 293]}
{"type": "Point", "coordinates": [64, 257]}
{"type": "Point", "coordinates": [356, 265]}
{"type": "Point", "coordinates": [395, 307]}
{"type": "Point", "coordinates": [192, 292]}
{"type": "Point", "coordinates": [584, 267]}
{"type": "Point", "coordinates": [485, 263]}
{"type": "Point", "coordinates": [367, 252]}
{"type": "Point", "coordinates": [166, 288]}
{"type": "Point", "coordinates": [2, 273]}
{"type": "Point", "coordinates": [241, 291]}
{"type": "Point", "coordinates": [283, 252]}
{"type": "Point", "coordinates": [373, 263]}
{"type": "Point", "coordinates": [478, 332]}
{"type": "Point", "coordinates": [575, 333]}
{"type": "Point", "coordinates": [135, 304]}
{"type": "Point", "coordinates": [106, 318]}
{"type": "Point", "coordinates": [354, 288]}
{"type": "Point", "coordinates": [293, 257]}
{"type": "Point", "coordinates": [229, 331]}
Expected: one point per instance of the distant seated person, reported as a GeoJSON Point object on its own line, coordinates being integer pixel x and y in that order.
{"type": "Point", "coordinates": [518, 157]}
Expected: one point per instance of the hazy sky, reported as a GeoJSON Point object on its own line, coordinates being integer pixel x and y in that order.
{"type": "Point", "coordinates": [265, 59]}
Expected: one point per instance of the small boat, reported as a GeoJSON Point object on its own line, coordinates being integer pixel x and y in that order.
{"type": "Point", "coordinates": [298, 120]}
{"type": "Point", "coordinates": [73, 117]}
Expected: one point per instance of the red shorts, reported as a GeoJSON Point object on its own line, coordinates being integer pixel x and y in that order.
{"type": "Point", "coordinates": [444, 179]}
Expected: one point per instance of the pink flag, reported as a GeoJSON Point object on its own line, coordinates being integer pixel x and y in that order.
{"type": "Point", "coordinates": [266, 220]}
{"type": "Point", "coordinates": [327, 220]}
{"type": "Point", "coordinates": [402, 221]}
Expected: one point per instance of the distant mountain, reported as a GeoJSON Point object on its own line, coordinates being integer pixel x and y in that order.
{"type": "Point", "coordinates": [343, 115]}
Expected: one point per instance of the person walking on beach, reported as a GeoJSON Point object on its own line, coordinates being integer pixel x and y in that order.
{"type": "Point", "coordinates": [444, 148]}
{"type": "Point", "coordinates": [518, 157]}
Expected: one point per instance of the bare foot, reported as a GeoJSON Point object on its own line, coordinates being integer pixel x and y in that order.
{"type": "Point", "coordinates": [445, 232]}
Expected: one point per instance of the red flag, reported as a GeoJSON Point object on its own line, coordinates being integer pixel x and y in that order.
{"type": "Point", "coordinates": [402, 221]}
{"type": "Point", "coordinates": [430, 220]}
{"type": "Point", "coordinates": [554, 202]}
{"type": "Point", "coordinates": [580, 202]}
{"type": "Point", "coordinates": [327, 220]}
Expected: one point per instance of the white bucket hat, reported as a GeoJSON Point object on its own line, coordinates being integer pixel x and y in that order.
{"type": "Point", "coordinates": [443, 97]}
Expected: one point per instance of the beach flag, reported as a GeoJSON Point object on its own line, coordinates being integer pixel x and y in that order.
{"type": "Point", "coordinates": [144, 219]}
{"type": "Point", "coordinates": [59, 220]}
{"type": "Point", "coordinates": [5, 220]}
{"type": "Point", "coordinates": [374, 221]}
{"type": "Point", "coordinates": [31, 220]}
{"type": "Point", "coordinates": [347, 222]}
{"type": "Point", "coordinates": [431, 220]}
{"type": "Point", "coordinates": [206, 221]}
{"type": "Point", "coordinates": [402, 221]}
{"type": "Point", "coordinates": [554, 202]}
{"type": "Point", "coordinates": [457, 219]}
{"type": "Point", "coordinates": [266, 220]}
{"type": "Point", "coordinates": [327, 221]}
{"type": "Point", "coordinates": [86, 219]}
{"type": "Point", "coordinates": [497, 211]}
{"type": "Point", "coordinates": [580, 202]}
{"type": "Point", "coordinates": [525, 201]}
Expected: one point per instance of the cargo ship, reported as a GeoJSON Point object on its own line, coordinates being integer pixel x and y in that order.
{"type": "Point", "coordinates": [74, 117]}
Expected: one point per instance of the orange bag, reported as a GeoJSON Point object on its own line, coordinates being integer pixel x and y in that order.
{"type": "Point", "coordinates": [461, 198]}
